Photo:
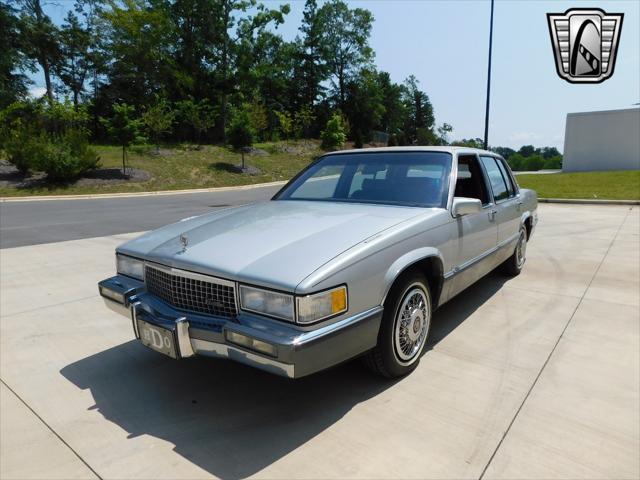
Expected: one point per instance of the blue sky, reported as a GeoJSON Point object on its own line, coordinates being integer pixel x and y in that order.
{"type": "Point", "coordinates": [444, 44]}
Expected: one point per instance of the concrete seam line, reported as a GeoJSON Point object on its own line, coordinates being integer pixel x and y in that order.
{"type": "Point", "coordinates": [90, 196]}
{"type": "Point", "coordinates": [51, 429]}
{"type": "Point", "coordinates": [546, 362]}
{"type": "Point", "coordinates": [588, 201]}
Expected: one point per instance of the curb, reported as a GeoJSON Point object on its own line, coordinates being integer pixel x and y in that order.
{"type": "Point", "coordinates": [588, 201]}
{"type": "Point", "coordinates": [38, 198]}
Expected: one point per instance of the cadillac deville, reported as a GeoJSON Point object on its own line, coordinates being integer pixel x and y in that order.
{"type": "Point", "coordinates": [350, 258]}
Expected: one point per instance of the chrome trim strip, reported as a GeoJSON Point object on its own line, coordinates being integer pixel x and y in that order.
{"type": "Point", "coordinates": [134, 318]}
{"type": "Point", "coordinates": [329, 329]}
{"type": "Point", "coordinates": [182, 336]}
{"type": "Point", "coordinates": [194, 276]}
{"type": "Point", "coordinates": [220, 350]}
{"type": "Point", "coordinates": [480, 257]}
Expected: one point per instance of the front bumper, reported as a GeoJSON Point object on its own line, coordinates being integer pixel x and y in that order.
{"type": "Point", "coordinates": [296, 352]}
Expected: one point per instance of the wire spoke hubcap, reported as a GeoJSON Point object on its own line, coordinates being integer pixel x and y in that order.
{"type": "Point", "coordinates": [521, 249]}
{"type": "Point", "coordinates": [412, 325]}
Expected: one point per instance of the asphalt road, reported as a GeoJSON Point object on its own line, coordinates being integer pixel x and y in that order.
{"type": "Point", "coordinates": [37, 222]}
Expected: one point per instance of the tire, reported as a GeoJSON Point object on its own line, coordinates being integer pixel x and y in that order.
{"type": "Point", "coordinates": [404, 331]}
{"type": "Point", "coordinates": [513, 265]}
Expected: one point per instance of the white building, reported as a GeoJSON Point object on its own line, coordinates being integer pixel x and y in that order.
{"type": "Point", "coordinates": [606, 140]}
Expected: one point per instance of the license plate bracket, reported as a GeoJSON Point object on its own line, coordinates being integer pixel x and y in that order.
{"type": "Point", "coordinates": [160, 339]}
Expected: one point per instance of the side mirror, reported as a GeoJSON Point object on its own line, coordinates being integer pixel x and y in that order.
{"type": "Point", "coordinates": [465, 206]}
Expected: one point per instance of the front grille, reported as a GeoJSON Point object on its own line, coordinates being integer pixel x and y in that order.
{"type": "Point", "coordinates": [193, 292]}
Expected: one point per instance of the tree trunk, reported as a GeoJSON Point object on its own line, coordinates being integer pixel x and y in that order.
{"type": "Point", "coordinates": [124, 168]}
{"type": "Point", "coordinates": [42, 59]}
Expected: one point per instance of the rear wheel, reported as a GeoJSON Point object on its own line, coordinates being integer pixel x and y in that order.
{"type": "Point", "coordinates": [405, 327]}
{"type": "Point", "coordinates": [513, 265]}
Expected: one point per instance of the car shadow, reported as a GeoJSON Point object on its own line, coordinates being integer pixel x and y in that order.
{"type": "Point", "coordinates": [229, 419]}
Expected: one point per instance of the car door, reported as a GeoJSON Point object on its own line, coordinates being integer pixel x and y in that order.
{"type": "Point", "coordinates": [507, 200]}
{"type": "Point", "coordinates": [477, 234]}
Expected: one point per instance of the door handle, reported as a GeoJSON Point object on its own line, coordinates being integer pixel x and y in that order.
{"type": "Point", "coordinates": [492, 215]}
{"type": "Point", "coordinates": [519, 205]}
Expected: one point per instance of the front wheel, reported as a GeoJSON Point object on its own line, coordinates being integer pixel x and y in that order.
{"type": "Point", "coordinates": [406, 322]}
{"type": "Point", "coordinates": [513, 265]}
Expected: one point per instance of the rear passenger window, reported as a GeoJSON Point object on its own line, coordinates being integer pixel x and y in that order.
{"type": "Point", "coordinates": [507, 178]}
{"type": "Point", "coordinates": [498, 185]}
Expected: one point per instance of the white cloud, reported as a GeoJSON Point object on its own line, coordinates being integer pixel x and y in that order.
{"type": "Point", "coordinates": [37, 92]}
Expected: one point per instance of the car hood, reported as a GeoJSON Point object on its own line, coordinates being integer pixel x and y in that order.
{"type": "Point", "coordinates": [275, 244]}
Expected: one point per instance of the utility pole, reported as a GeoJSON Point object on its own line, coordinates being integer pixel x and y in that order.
{"type": "Point", "coordinates": [486, 114]}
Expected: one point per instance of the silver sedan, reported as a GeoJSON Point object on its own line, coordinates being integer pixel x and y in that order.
{"type": "Point", "coordinates": [351, 258]}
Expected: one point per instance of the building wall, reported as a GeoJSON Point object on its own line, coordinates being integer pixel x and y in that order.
{"type": "Point", "coordinates": [607, 140]}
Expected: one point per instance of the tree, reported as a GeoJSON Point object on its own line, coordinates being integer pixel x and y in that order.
{"type": "Point", "coordinates": [527, 150]}
{"type": "Point", "coordinates": [124, 129]}
{"type": "Point", "coordinates": [333, 136]}
{"type": "Point", "coordinates": [13, 64]}
{"type": "Point", "coordinates": [40, 40]}
{"type": "Point", "coordinates": [469, 142]}
{"type": "Point", "coordinates": [199, 116]}
{"type": "Point", "coordinates": [240, 133]}
{"type": "Point", "coordinates": [344, 42]}
{"type": "Point", "coordinates": [443, 133]}
{"type": "Point", "coordinates": [303, 120]}
{"type": "Point", "coordinates": [548, 152]}
{"type": "Point", "coordinates": [393, 118]}
{"type": "Point", "coordinates": [158, 119]}
{"type": "Point", "coordinates": [311, 70]}
{"type": "Point", "coordinates": [419, 110]}
{"type": "Point", "coordinates": [364, 106]}
{"type": "Point", "coordinates": [286, 124]}
{"type": "Point", "coordinates": [74, 61]}
{"type": "Point", "coordinates": [504, 152]}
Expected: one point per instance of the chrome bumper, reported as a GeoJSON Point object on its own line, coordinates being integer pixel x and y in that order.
{"type": "Point", "coordinates": [295, 353]}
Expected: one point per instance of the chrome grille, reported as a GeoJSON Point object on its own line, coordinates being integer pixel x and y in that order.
{"type": "Point", "coordinates": [191, 291]}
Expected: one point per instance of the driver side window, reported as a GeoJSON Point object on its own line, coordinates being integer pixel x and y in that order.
{"type": "Point", "coordinates": [470, 182]}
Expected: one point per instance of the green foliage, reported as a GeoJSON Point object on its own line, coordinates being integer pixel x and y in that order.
{"type": "Point", "coordinates": [198, 115]}
{"type": "Point", "coordinates": [553, 163]}
{"type": "Point", "coordinates": [50, 138]}
{"type": "Point", "coordinates": [469, 142]}
{"type": "Point", "coordinates": [124, 129]}
{"type": "Point", "coordinates": [419, 111]}
{"type": "Point", "coordinates": [158, 119]}
{"type": "Point", "coordinates": [303, 121]}
{"type": "Point", "coordinates": [67, 157]}
{"type": "Point", "coordinates": [527, 150]}
{"type": "Point", "coordinates": [285, 121]}
{"type": "Point", "coordinates": [333, 136]}
{"type": "Point", "coordinates": [240, 133]}
{"type": "Point", "coordinates": [364, 106]}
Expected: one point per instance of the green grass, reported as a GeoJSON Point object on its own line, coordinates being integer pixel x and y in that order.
{"type": "Point", "coordinates": [591, 185]}
{"type": "Point", "coordinates": [181, 167]}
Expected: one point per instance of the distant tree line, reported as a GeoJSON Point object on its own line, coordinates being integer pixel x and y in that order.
{"type": "Point", "coordinates": [527, 158]}
{"type": "Point", "coordinates": [201, 71]}
{"type": "Point", "coordinates": [191, 69]}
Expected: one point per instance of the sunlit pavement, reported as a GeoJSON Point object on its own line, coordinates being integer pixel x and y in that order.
{"type": "Point", "coordinates": [532, 377]}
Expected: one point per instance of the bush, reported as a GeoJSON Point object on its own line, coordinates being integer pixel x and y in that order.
{"type": "Point", "coordinates": [553, 163]}
{"type": "Point", "coordinates": [533, 163]}
{"type": "Point", "coordinates": [333, 136]}
{"type": "Point", "coordinates": [50, 139]}
{"type": "Point", "coordinates": [68, 157]}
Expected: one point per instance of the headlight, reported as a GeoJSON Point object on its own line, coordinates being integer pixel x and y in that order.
{"type": "Point", "coordinates": [319, 306]}
{"type": "Point", "coordinates": [131, 267]}
{"type": "Point", "coordinates": [279, 305]}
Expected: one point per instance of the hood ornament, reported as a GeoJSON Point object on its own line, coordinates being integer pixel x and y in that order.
{"type": "Point", "coordinates": [184, 241]}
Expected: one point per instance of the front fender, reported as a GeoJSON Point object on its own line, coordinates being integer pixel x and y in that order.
{"type": "Point", "coordinates": [406, 261]}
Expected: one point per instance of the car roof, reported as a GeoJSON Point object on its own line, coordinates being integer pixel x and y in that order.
{"type": "Point", "coordinates": [413, 148]}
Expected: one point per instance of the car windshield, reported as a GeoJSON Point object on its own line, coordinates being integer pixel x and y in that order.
{"type": "Point", "coordinates": [393, 178]}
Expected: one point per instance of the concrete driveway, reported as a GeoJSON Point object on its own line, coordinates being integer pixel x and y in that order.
{"type": "Point", "coordinates": [532, 377]}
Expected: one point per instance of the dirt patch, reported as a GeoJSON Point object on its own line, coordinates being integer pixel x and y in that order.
{"type": "Point", "coordinates": [11, 177]}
